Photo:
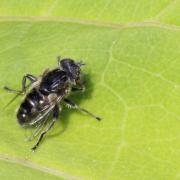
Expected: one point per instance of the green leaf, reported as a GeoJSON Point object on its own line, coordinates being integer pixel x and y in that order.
{"type": "Point", "coordinates": [131, 49]}
{"type": "Point", "coordinates": [13, 168]}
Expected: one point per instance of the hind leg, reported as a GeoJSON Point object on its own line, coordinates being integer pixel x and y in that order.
{"type": "Point", "coordinates": [55, 117]}
{"type": "Point", "coordinates": [39, 128]}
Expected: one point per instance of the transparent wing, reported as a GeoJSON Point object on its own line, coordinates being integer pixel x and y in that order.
{"type": "Point", "coordinates": [46, 111]}
{"type": "Point", "coordinates": [38, 129]}
{"type": "Point", "coordinates": [40, 122]}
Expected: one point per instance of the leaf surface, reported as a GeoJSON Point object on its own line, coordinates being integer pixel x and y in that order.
{"type": "Point", "coordinates": [132, 77]}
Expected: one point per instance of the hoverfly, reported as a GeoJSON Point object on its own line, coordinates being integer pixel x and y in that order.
{"type": "Point", "coordinates": [46, 94]}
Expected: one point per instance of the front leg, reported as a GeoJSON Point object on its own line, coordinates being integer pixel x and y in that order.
{"type": "Point", "coordinates": [79, 87]}
{"type": "Point", "coordinates": [71, 104]}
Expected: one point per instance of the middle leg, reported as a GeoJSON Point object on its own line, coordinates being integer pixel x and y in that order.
{"type": "Point", "coordinates": [30, 77]}
{"type": "Point", "coordinates": [71, 104]}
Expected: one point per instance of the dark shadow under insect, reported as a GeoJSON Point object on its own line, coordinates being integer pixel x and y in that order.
{"type": "Point", "coordinates": [46, 95]}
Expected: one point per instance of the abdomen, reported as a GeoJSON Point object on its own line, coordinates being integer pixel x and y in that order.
{"type": "Point", "coordinates": [30, 107]}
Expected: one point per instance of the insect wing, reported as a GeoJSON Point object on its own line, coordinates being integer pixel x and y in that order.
{"type": "Point", "coordinates": [45, 112]}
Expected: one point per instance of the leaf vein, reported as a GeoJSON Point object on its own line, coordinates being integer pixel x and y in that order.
{"type": "Point", "coordinates": [36, 166]}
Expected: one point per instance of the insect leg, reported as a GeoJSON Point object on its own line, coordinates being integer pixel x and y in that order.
{"type": "Point", "coordinates": [24, 87]}
{"type": "Point", "coordinates": [55, 117]}
{"type": "Point", "coordinates": [77, 89]}
{"type": "Point", "coordinates": [71, 104]}
{"type": "Point", "coordinates": [30, 77]}
{"type": "Point", "coordinates": [59, 59]}
{"type": "Point", "coordinates": [40, 127]}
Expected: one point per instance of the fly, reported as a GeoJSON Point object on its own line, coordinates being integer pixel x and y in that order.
{"type": "Point", "coordinates": [46, 94]}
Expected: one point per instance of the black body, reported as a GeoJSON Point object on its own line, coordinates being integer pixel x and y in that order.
{"type": "Point", "coordinates": [46, 95]}
{"type": "Point", "coordinates": [57, 82]}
